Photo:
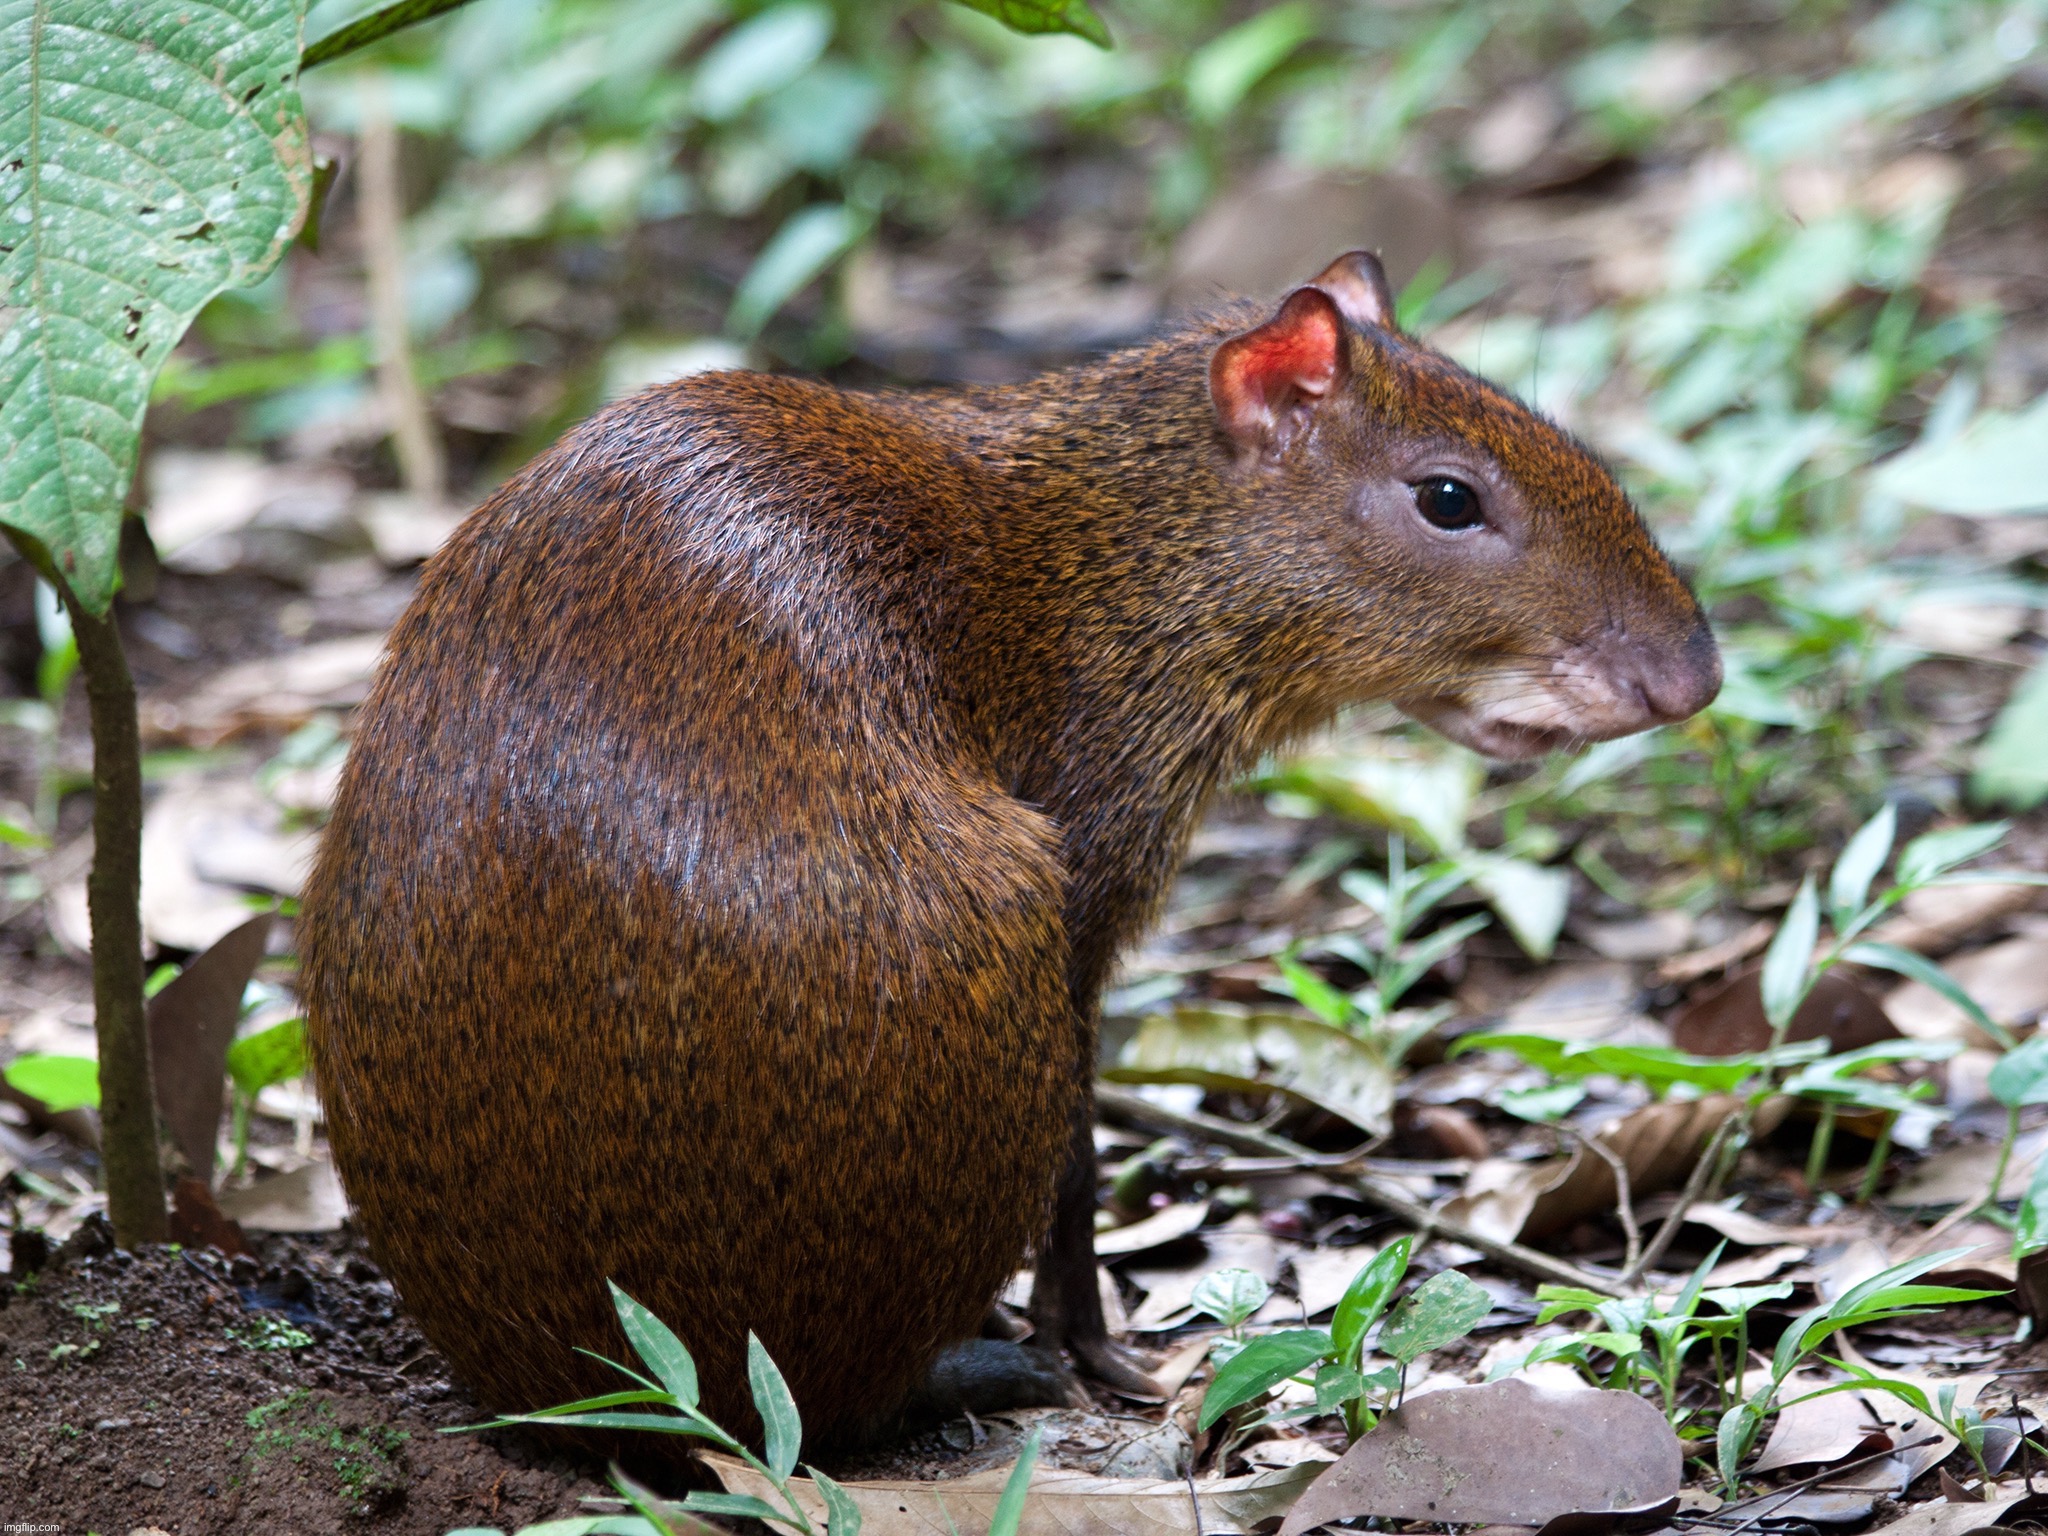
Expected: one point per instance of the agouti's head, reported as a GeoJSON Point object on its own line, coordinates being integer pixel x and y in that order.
{"type": "Point", "coordinates": [1479, 567]}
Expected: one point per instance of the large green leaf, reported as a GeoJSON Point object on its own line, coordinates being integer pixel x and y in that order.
{"type": "Point", "coordinates": [151, 155]}
{"type": "Point", "coordinates": [1075, 16]}
{"type": "Point", "coordinates": [1230, 1049]}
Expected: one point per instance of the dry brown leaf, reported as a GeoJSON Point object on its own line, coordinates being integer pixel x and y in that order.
{"type": "Point", "coordinates": [1934, 920]}
{"type": "Point", "coordinates": [1691, 966]}
{"type": "Point", "coordinates": [191, 1024]}
{"type": "Point", "coordinates": [274, 693]}
{"type": "Point", "coordinates": [206, 843]}
{"type": "Point", "coordinates": [2009, 981]}
{"type": "Point", "coordinates": [1963, 1172]}
{"type": "Point", "coordinates": [1729, 1019]}
{"type": "Point", "coordinates": [308, 1199]}
{"type": "Point", "coordinates": [1655, 936]}
{"type": "Point", "coordinates": [1165, 1226]}
{"type": "Point", "coordinates": [1507, 1452]}
{"type": "Point", "coordinates": [1657, 1144]}
{"type": "Point", "coordinates": [1939, 1517]}
{"type": "Point", "coordinates": [1061, 1502]}
{"type": "Point", "coordinates": [1812, 1431]}
{"type": "Point", "coordinates": [1587, 1001]}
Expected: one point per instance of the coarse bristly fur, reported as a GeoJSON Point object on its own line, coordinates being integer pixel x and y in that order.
{"type": "Point", "coordinates": [760, 787]}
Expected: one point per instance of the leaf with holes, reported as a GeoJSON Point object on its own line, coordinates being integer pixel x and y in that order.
{"type": "Point", "coordinates": [150, 157]}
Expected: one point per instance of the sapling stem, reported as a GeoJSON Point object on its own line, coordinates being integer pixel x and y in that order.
{"type": "Point", "coordinates": [1873, 1170]}
{"type": "Point", "coordinates": [1823, 1143]}
{"type": "Point", "coordinates": [129, 1156]}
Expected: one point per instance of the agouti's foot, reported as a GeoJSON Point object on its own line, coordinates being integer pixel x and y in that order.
{"type": "Point", "coordinates": [991, 1375]}
{"type": "Point", "coordinates": [1116, 1368]}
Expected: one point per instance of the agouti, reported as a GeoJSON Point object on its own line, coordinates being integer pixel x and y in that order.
{"type": "Point", "coordinates": [761, 785]}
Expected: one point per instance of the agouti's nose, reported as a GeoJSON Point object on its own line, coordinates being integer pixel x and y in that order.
{"type": "Point", "coordinates": [1677, 682]}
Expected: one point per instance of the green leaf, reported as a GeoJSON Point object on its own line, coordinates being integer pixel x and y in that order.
{"type": "Point", "coordinates": [1660, 1067]}
{"type": "Point", "coordinates": [661, 1349]}
{"type": "Point", "coordinates": [1784, 980]}
{"type": "Point", "coordinates": [2021, 1074]}
{"type": "Point", "coordinates": [842, 1515]}
{"type": "Point", "coordinates": [745, 1505]}
{"type": "Point", "coordinates": [1230, 1295]}
{"type": "Point", "coordinates": [1440, 1311]}
{"type": "Point", "coordinates": [1532, 899]}
{"type": "Point", "coordinates": [1366, 1297]}
{"type": "Point", "coordinates": [1905, 962]}
{"type": "Point", "coordinates": [1335, 1385]}
{"type": "Point", "coordinates": [1997, 464]}
{"type": "Point", "coordinates": [1010, 1507]}
{"type": "Point", "coordinates": [654, 1513]}
{"type": "Point", "coordinates": [1542, 1106]}
{"type": "Point", "coordinates": [1224, 69]}
{"type": "Point", "coordinates": [2012, 761]}
{"type": "Point", "coordinates": [2030, 1230]}
{"type": "Point", "coordinates": [1734, 1438]}
{"type": "Point", "coordinates": [808, 242]}
{"type": "Point", "coordinates": [1849, 885]}
{"type": "Point", "coordinates": [1029, 16]}
{"type": "Point", "coordinates": [272, 1055]}
{"type": "Point", "coordinates": [150, 157]}
{"type": "Point", "coordinates": [371, 26]}
{"type": "Point", "coordinates": [1312, 992]}
{"type": "Point", "coordinates": [1936, 853]}
{"type": "Point", "coordinates": [782, 1430]}
{"type": "Point", "coordinates": [1262, 1364]}
{"type": "Point", "coordinates": [659, 1423]}
{"type": "Point", "coordinates": [57, 1083]}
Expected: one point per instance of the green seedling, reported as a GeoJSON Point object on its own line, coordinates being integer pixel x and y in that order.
{"type": "Point", "coordinates": [1888, 1294]}
{"type": "Point", "coordinates": [255, 1062]}
{"type": "Point", "coordinates": [1393, 962]}
{"type": "Point", "coordinates": [674, 1387]}
{"type": "Point", "coordinates": [1440, 1311]}
{"type": "Point", "coordinates": [1835, 1085]}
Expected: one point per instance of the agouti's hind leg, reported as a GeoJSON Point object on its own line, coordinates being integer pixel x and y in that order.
{"type": "Point", "coordinates": [990, 1376]}
{"type": "Point", "coordinates": [1066, 1303]}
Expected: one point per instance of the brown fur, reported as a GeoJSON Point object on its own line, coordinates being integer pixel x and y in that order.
{"type": "Point", "coordinates": [762, 783]}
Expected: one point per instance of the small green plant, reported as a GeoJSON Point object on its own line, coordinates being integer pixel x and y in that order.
{"type": "Point", "coordinates": [1836, 1084]}
{"type": "Point", "coordinates": [1888, 1294]}
{"type": "Point", "coordinates": [1393, 963]}
{"type": "Point", "coordinates": [1440, 1311]}
{"type": "Point", "coordinates": [255, 1062]}
{"type": "Point", "coordinates": [270, 1332]}
{"type": "Point", "coordinates": [1650, 1338]}
{"type": "Point", "coordinates": [674, 1388]}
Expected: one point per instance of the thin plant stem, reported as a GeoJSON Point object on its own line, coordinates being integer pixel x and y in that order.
{"type": "Point", "coordinates": [1823, 1143]}
{"type": "Point", "coordinates": [1687, 1197]}
{"type": "Point", "coordinates": [1624, 1204]}
{"type": "Point", "coordinates": [1874, 1169]}
{"type": "Point", "coordinates": [2012, 1132]}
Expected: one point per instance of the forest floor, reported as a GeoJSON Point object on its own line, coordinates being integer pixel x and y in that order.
{"type": "Point", "coordinates": [284, 1390]}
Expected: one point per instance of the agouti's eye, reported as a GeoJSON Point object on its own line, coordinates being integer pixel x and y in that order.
{"type": "Point", "coordinates": [1447, 503]}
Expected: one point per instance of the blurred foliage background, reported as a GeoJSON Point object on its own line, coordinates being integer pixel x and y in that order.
{"type": "Point", "coordinates": [1782, 261]}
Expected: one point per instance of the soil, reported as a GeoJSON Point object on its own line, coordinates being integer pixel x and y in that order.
{"type": "Point", "coordinates": [179, 1391]}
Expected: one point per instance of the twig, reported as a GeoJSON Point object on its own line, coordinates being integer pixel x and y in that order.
{"type": "Point", "coordinates": [1354, 1166]}
{"type": "Point", "coordinates": [1791, 1491]}
{"type": "Point", "coordinates": [1624, 1205]}
{"type": "Point", "coordinates": [1142, 1112]}
{"type": "Point", "coordinates": [380, 208]}
{"type": "Point", "coordinates": [1702, 1170]}
{"type": "Point", "coordinates": [1528, 1260]}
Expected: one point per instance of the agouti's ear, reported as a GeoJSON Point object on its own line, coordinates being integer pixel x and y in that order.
{"type": "Point", "coordinates": [1358, 283]}
{"type": "Point", "coordinates": [1266, 382]}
